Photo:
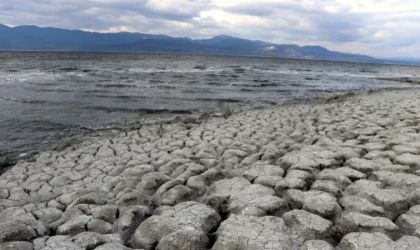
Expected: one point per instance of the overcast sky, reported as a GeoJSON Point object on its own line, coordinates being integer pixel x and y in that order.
{"type": "Point", "coordinates": [382, 28]}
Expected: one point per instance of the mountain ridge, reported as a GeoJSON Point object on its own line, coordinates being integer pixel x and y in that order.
{"type": "Point", "coordinates": [31, 37]}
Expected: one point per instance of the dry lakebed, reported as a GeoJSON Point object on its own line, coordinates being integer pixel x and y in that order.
{"type": "Point", "coordinates": [342, 173]}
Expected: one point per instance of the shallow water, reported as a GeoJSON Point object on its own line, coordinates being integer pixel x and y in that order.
{"type": "Point", "coordinates": [45, 95]}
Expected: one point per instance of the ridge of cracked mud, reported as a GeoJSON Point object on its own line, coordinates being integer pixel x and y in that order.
{"type": "Point", "coordinates": [308, 176]}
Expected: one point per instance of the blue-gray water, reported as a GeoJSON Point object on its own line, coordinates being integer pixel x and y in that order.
{"type": "Point", "coordinates": [44, 95]}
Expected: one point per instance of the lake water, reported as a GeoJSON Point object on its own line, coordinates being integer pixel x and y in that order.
{"type": "Point", "coordinates": [46, 95]}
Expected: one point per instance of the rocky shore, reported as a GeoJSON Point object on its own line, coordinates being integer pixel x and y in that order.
{"type": "Point", "coordinates": [321, 175]}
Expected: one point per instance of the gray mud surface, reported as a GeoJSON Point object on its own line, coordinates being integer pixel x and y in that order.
{"type": "Point", "coordinates": [339, 173]}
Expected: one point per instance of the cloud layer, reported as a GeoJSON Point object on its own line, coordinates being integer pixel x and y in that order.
{"type": "Point", "coordinates": [382, 28]}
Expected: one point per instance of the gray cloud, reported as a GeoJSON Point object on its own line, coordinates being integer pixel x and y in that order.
{"type": "Point", "coordinates": [314, 24]}
{"type": "Point", "coordinates": [372, 26]}
{"type": "Point", "coordinates": [342, 26]}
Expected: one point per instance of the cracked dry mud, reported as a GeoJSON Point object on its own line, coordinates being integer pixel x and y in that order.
{"type": "Point", "coordinates": [339, 175]}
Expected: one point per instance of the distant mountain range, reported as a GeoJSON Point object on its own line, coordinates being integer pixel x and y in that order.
{"type": "Point", "coordinates": [53, 39]}
{"type": "Point", "coordinates": [407, 59]}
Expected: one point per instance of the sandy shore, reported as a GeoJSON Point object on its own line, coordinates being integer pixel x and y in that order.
{"type": "Point", "coordinates": [335, 174]}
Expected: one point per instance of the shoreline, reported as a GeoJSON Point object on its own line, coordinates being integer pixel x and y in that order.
{"type": "Point", "coordinates": [337, 172]}
{"type": "Point", "coordinates": [77, 136]}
